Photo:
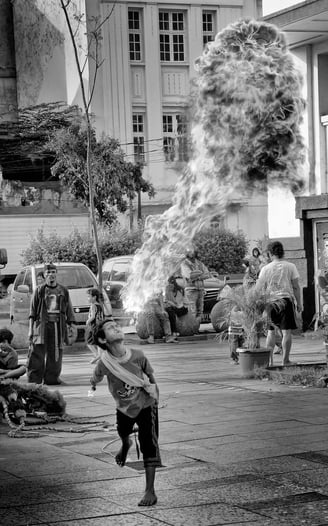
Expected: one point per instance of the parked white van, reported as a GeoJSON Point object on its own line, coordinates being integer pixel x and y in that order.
{"type": "Point", "coordinates": [76, 277]}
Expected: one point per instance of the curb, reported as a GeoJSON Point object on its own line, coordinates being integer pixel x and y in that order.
{"type": "Point", "coordinates": [285, 368]}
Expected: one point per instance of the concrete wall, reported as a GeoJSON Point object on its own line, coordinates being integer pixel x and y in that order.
{"type": "Point", "coordinates": [46, 70]}
{"type": "Point", "coordinates": [17, 231]}
{"type": "Point", "coordinates": [8, 93]}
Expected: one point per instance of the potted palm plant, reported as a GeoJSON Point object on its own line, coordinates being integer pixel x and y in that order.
{"type": "Point", "coordinates": [246, 308]}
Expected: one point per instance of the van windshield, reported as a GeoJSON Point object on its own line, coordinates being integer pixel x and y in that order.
{"type": "Point", "coordinates": [76, 277]}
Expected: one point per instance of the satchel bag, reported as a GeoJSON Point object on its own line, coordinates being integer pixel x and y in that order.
{"type": "Point", "coordinates": [181, 311]}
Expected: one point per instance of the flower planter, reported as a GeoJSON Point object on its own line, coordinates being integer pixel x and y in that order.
{"type": "Point", "coordinates": [249, 359]}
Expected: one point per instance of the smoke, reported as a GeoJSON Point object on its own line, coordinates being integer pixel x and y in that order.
{"type": "Point", "coordinates": [246, 135]}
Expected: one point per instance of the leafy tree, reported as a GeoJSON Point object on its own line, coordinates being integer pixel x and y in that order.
{"type": "Point", "coordinates": [115, 181]}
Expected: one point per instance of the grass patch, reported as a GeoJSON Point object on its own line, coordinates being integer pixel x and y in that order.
{"type": "Point", "coordinates": [311, 376]}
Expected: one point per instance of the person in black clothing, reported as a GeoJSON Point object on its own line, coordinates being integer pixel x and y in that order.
{"type": "Point", "coordinates": [175, 303]}
{"type": "Point", "coordinates": [51, 312]}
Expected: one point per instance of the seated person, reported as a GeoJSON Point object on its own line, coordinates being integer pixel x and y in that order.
{"type": "Point", "coordinates": [9, 367]}
{"type": "Point", "coordinates": [154, 308]}
{"type": "Point", "coordinates": [175, 303]}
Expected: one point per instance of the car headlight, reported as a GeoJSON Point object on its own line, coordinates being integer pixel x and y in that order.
{"type": "Point", "coordinates": [76, 309]}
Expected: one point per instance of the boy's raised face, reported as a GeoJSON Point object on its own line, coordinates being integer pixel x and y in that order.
{"type": "Point", "coordinates": [113, 332]}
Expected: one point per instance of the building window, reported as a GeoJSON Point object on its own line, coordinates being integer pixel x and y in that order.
{"type": "Point", "coordinates": [175, 139]}
{"type": "Point", "coordinates": [208, 27]}
{"type": "Point", "coordinates": [138, 128]}
{"type": "Point", "coordinates": [172, 29]}
{"type": "Point", "coordinates": [135, 35]}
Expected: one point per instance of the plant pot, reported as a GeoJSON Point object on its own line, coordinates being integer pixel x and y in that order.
{"type": "Point", "coordinates": [249, 359]}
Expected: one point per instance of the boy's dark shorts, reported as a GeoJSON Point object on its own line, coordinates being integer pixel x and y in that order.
{"type": "Point", "coordinates": [147, 421]}
{"type": "Point", "coordinates": [283, 316]}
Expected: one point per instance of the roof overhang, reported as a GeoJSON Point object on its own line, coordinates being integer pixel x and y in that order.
{"type": "Point", "coordinates": [305, 23]}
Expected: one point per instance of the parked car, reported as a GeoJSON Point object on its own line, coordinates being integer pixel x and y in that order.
{"type": "Point", "coordinates": [115, 273]}
{"type": "Point", "coordinates": [78, 278]}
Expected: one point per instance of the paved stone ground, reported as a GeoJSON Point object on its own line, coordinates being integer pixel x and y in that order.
{"type": "Point", "coordinates": [235, 451]}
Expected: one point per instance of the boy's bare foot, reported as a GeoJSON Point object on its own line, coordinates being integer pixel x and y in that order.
{"type": "Point", "coordinates": [123, 453]}
{"type": "Point", "coordinates": [149, 499]}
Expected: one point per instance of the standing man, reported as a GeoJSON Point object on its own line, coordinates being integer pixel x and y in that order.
{"type": "Point", "coordinates": [50, 313]}
{"type": "Point", "coordinates": [282, 279]}
{"type": "Point", "coordinates": [194, 272]}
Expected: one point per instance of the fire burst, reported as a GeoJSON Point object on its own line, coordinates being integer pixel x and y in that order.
{"type": "Point", "coordinates": [246, 135]}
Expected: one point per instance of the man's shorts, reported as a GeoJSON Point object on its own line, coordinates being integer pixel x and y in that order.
{"type": "Point", "coordinates": [283, 316]}
{"type": "Point", "coordinates": [147, 421]}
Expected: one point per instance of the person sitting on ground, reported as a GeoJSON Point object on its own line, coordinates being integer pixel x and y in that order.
{"type": "Point", "coordinates": [9, 367]}
{"type": "Point", "coordinates": [132, 384]}
{"type": "Point", "coordinates": [175, 303]}
{"type": "Point", "coordinates": [154, 309]}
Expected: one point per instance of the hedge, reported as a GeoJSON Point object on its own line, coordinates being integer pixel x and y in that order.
{"type": "Point", "coordinates": [79, 247]}
{"type": "Point", "coordinates": [220, 250]}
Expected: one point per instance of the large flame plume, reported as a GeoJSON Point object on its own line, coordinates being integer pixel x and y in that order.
{"type": "Point", "coordinates": [245, 134]}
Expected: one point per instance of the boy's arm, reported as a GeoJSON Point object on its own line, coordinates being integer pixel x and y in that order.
{"type": "Point", "coordinates": [297, 294]}
{"type": "Point", "coordinates": [153, 382]}
{"type": "Point", "coordinates": [148, 370]}
{"type": "Point", "coordinates": [151, 378]}
{"type": "Point", "coordinates": [98, 374]}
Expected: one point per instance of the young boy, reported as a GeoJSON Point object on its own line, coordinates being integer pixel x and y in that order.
{"type": "Point", "coordinates": [96, 315]}
{"type": "Point", "coordinates": [9, 367]}
{"type": "Point", "coordinates": [235, 336]}
{"type": "Point", "coordinates": [132, 384]}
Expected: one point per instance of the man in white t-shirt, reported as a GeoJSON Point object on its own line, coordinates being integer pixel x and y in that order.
{"type": "Point", "coordinates": [282, 278]}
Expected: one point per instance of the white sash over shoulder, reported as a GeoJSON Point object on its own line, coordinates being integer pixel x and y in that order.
{"type": "Point", "coordinates": [126, 376]}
